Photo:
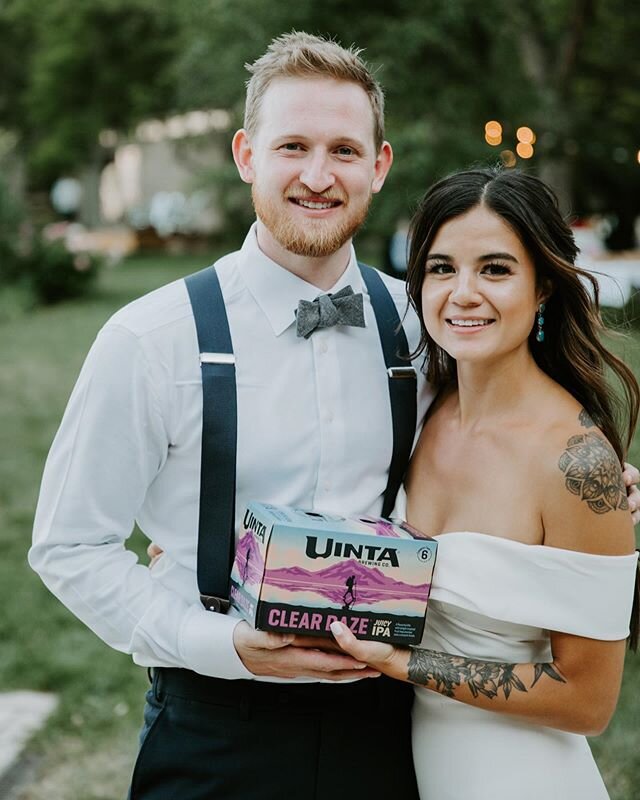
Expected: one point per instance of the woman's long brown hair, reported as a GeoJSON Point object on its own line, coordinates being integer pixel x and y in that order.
{"type": "Point", "coordinates": [573, 352]}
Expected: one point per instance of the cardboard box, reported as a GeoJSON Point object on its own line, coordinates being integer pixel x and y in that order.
{"type": "Point", "coordinates": [299, 571]}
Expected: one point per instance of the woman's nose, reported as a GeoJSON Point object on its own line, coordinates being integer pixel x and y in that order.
{"type": "Point", "coordinates": [465, 290]}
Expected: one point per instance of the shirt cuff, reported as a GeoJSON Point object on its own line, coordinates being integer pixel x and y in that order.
{"type": "Point", "coordinates": [207, 645]}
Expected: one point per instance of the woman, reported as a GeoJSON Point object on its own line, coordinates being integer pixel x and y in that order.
{"type": "Point", "coordinates": [532, 594]}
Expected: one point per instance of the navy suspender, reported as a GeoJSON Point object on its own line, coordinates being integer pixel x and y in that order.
{"type": "Point", "coordinates": [216, 523]}
{"type": "Point", "coordinates": [402, 381]}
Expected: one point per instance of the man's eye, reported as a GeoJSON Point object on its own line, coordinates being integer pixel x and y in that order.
{"type": "Point", "coordinates": [291, 146]}
{"type": "Point", "coordinates": [497, 269]}
{"type": "Point", "coordinates": [345, 151]}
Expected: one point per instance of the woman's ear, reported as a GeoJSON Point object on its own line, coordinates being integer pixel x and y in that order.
{"type": "Point", "coordinates": [545, 290]}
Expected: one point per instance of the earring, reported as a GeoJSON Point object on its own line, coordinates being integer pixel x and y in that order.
{"type": "Point", "coordinates": [540, 322]}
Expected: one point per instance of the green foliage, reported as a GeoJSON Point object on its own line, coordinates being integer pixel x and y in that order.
{"type": "Point", "coordinates": [55, 274]}
{"type": "Point", "coordinates": [567, 69]}
{"type": "Point", "coordinates": [87, 67]}
{"type": "Point", "coordinates": [34, 269]}
{"type": "Point", "coordinates": [11, 217]}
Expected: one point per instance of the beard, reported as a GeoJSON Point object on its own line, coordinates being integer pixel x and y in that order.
{"type": "Point", "coordinates": [312, 238]}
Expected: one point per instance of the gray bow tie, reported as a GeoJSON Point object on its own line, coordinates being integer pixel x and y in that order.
{"type": "Point", "coordinates": [342, 308]}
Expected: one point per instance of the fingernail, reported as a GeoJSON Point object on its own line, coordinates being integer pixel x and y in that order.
{"type": "Point", "coordinates": [374, 675]}
{"type": "Point", "coordinates": [336, 628]}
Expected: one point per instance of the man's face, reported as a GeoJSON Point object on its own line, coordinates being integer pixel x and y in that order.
{"type": "Point", "coordinates": [312, 163]}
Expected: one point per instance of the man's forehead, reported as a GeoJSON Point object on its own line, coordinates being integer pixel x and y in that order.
{"type": "Point", "coordinates": [291, 105]}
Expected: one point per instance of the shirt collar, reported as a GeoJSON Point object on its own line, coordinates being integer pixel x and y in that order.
{"type": "Point", "coordinates": [278, 291]}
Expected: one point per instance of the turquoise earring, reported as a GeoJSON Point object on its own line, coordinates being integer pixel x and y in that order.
{"type": "Point", "coordinates": [540, 322]}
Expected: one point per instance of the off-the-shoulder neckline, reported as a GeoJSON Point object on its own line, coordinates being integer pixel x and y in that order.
{"type": "Point", "coordinates": [537, 547]}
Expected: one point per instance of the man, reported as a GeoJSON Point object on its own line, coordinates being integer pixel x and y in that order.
{"type": "Point", "coordinates": [233, 712]}
{"type": "Point", "coordinates": [314, 431]}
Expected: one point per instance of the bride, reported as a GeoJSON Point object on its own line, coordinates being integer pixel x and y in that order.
{"type": "Point", "coordinates": [533, 588]}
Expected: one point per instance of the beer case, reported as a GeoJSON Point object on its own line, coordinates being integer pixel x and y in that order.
{"type": "Point", "coordinates": [298, 571]}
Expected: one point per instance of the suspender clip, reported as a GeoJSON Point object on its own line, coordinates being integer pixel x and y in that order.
{"type": "Point", "coordinates": [402, 372]}
{"type": "Point", "coordinates": [217, 358]}
{"type": "Point", "coordinates": [218, 604]}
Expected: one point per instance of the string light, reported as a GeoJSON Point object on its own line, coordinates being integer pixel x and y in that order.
{"type": "Point", "coordinates": [525, 135]}
{"type": "Point", "coordinates": [524, 149]}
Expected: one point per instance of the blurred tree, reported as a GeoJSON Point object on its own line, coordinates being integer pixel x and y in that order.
{"type": "Point", "coordinates": [566, 68]}
{"type": "Point", "coordinates": [74, 69]}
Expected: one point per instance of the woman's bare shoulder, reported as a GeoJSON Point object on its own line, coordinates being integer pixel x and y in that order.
{"type": "Point", "coordinates": [582, 494]}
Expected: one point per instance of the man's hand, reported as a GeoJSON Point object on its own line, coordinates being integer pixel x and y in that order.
{"type": "Point", "coordinates": [631, 477]}
{"type": "Point", "coordinates": [276, 655]}
{"type": "Point", "coordinates": [154, 552]}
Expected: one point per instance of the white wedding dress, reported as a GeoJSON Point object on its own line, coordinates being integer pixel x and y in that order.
{"type": "Point", "coordinates": [496, 599]}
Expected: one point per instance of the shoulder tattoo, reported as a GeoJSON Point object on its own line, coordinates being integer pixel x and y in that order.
{"type": "Point", "coordinates": [585, 419]}
{"type": "Point", "coordinates": [592, 472]}
{"type": "Point", "coordinates": [444, 673]}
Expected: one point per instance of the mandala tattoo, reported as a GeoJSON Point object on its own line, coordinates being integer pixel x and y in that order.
{"type": "Point", "coordinates": [585, 419]}
{"type": "Point", "coordinates": [592, 472]}
{"type": "Point", "coordinates": [445, 673]}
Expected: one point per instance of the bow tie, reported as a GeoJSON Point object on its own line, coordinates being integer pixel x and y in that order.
{"type": "Point", "coordinates": [342, 308]}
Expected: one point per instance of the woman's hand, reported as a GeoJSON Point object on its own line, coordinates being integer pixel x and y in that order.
{"type": "Point", "coordinates": [383, 657]}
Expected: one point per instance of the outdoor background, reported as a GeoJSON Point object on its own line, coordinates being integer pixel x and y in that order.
{"type": "Point", "coordinates": [115, 123]}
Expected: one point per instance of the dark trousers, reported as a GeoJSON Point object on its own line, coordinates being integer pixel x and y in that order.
{"type": "Point", "coordinates": [211, 739]}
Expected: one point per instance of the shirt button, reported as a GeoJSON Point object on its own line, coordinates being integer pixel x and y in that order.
{"type": "Point", "coordinates": [323, 347]}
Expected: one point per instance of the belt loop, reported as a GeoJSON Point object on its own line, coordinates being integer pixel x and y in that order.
{"type": "Point", "coordinates": [157, 683]}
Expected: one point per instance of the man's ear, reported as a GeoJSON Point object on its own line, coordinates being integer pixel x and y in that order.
{"type": "Point", "coordinates": [243, 155]}
{"type": "Point", "coordinates": [383, 164]}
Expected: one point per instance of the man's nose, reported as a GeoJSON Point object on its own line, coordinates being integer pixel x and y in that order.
{"type": "Point", "coordinates": [317, 174]}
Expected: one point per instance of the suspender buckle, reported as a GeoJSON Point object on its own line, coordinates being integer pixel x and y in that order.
{"type": "Point", "coordinates": [218, 604]}
{"type": "Point", "coordinates": [402, 372]}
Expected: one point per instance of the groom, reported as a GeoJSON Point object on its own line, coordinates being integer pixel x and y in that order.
{"type": "Point", "coordinates": [233, 712]}
{"type": "Point", "coordinates": [236, 713]}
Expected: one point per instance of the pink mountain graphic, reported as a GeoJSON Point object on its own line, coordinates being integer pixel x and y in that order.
{"type": "Point", "coordinates": [382, 527]}
{"type": "Point", "coordinates": [249, 561]}
{"type": "Point", "coordinates": [370, 584]}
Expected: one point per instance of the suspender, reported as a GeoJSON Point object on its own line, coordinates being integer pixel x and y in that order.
{"type": "Point", "coordinates": [216, 524]}
{"type": "Point", "coordinates": [219, 421]}
{"type": "Point", "coordinates": [402, 381]}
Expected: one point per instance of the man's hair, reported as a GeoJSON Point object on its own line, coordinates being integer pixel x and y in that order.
{"type": "Point", "coordinates": [301, 55]}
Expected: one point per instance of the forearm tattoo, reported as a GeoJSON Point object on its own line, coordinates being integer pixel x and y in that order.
{"type": "Point", "coordinates": [592, 471]}
{"type": "Point", "coordinates": [444, 673]}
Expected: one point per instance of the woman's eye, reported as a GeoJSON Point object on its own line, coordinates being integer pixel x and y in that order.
{"type": "Point", "coordinates": [439, 269]}
{"type": "Point", "coordinates": [497, 269]}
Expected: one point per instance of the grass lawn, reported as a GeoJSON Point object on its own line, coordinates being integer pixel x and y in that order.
{"type": "Point", "coordinates": [88, 747]}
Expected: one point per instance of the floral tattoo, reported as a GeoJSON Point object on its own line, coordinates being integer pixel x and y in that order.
{"type": "Point", "coordinates": [585, 419]}
{"type": "Point", "coordinates": [444, 673]}
{"type": "Point", "coordinates": [592, 472]}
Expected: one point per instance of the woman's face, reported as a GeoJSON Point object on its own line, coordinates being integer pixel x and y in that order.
{"type": "Point", "coordinates": [479, 294]}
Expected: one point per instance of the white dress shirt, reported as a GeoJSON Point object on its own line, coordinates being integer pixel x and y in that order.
{"type": "Point", "coordinates": [314, 431]}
